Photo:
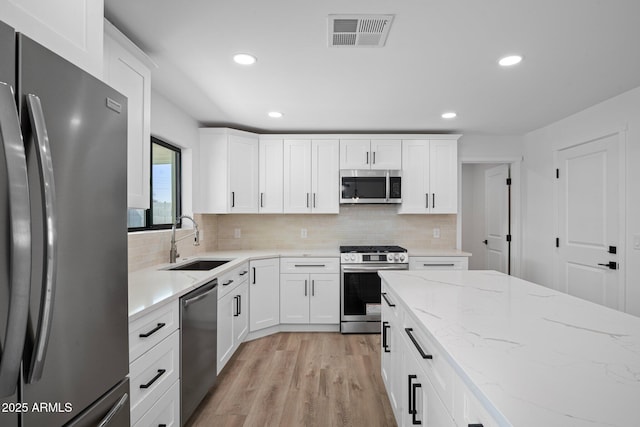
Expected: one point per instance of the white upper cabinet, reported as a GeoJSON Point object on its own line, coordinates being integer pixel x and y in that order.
{"type": "Point", "coordinates": [228, 171]}
{"type": "Point", "coordinates": [311, 176]}
{"type": "Point", "coordinates": [380, 154]}
{"type": "Point", "coordinates": [72, 28]}
{"type": "Point", "coordinates": [271, 176]}
{"type": "Point", "coordinates": [127, 69]}
{"type": "Point", "coordinates": [429, 176]}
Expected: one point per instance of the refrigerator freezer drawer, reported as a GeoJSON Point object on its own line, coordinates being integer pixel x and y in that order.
{"type": "Point", "coordinates": [153, 327]}
{"type": "Point", "coordinates": [166, 411]}
{"type": "Point", "coordinates": [152, 375]}
{"type": "Point", "coordinates": [111, 410]}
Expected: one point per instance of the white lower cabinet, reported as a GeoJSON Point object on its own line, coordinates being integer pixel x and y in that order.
{"type": "Point", "coordinates": [154, 366]}
{"type": "Point", "coordinates": [264, 293]}
{"type": "Point", "coordinates": [152, 374]}
{"type": "Point", "coordinates": [233, 320]}
{"type": "Point", "coordinates": [310, 290]}
{"type": "Point", "coordinates": [391, 352]}
{"type": "Point", "coordinates": [310, 298]}
{"type": "Point", "coordinates": [165, 412]}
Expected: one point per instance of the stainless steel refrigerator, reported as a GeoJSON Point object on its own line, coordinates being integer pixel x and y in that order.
{"type": "Point", "coordinates": [63, 242]}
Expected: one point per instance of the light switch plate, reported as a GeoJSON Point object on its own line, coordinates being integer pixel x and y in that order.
{"type": "Point", "coordinates": [237, 233]}
{"type": "Point", "coordinates": [436, 233]}
{"type": "Point", "coordinates": [303, 233]}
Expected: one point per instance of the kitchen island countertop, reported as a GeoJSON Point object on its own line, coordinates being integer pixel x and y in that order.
{"type": "Point", "coordinates": [533, 356]}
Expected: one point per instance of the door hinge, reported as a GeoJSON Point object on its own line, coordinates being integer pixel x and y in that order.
{"type": "Point", "coordinates": [557, 242]}
{"type": "Point", "coordinates": [508, 237]}
{"type": "Point", "coordinates": [508, 181]}
{"type": "Point", "coordinates": [557, 173]}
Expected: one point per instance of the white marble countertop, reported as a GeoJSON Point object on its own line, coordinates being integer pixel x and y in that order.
{"type": "Point", "coordinates": [533, 356]}
{"type": "Point", "coordinates": [437, 252]}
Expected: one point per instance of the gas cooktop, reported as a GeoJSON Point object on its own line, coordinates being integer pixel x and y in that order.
{"type": "Point", "coordinates": [371, 249]}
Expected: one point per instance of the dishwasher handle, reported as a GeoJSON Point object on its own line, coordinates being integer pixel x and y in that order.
{"type": "Point", "coordinates": [209, 289]}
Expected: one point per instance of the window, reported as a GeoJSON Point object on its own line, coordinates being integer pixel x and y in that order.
{"type": "Point", "coordinates": [165, 190]}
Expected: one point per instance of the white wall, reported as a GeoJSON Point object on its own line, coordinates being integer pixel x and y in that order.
{"type": "Point", "coordinates": [498, 148]}
{"type": "Point", "coordinates": [540, 205]}
{"type": "Point", "coordinates": [170, 123]}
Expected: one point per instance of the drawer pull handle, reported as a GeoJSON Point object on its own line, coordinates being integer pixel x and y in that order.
{"type": "Point", "coordinates": [476, 425]}
{"type": "Point", "coordinates": [243, 273]}
{"type": "Point", "coordinates": [439, 265]}
{"type": "Point", "coordinates": [153, 331]}
{"type": "Point", "coordinates": [309, 265]}
{"type": "Point", "coordinates": [385, 344]}
{"type": "Point", "coordinates": [114, 410]}
{"type": "Point", "coordinates": [413, 339]}
{"type": "Point", "coordinates": [414, 419]}
{"type": "Point", "coordinates": [227, 283]}
{"type": "Point", "coordinates": [254, 275]}
{"type": "Point", "coordinates": [154, 379]}
{"type": "Point", "coordinates": [409, 398]}
{"type": "Point", "coordinates": [389, 303]}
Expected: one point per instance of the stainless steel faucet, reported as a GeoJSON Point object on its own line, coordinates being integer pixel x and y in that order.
{"type": "Point", "coordinates": [173, 252]}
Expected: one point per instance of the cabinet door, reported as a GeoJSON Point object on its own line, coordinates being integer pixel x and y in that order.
{"type": "Point", "coordinates": [421, 404]}
{"type": "Point", "coordinates": [243, 174]}
{"type": "Point", "coordinates": [226, 310]}
{"type": "Point", "coordinates": [324, 302]}
{"type": "Point", "coordinates": [128, 75]}
{"type": "Point", "coordinates": [264, 293]}
{"type": "Point", "coordinates": [355, 154]}
{"type": "Point", "coordinates": [386, 154]}
{"type": "Point", "coordinates": [297, 176]}
{"type": "Point", "coordinates": [241, 314]}
{"type": "Point", "coordinates": [415, 176]}
{"type": "Point", "coordinates": [443, 176]}
{"type": "Point", "coordinates": [72, 28]}
{"type": "Point", "coordinates": [271, 176]}
{"type": "Point", "coordinates": [325, 177]}
{"type": "Point", "coordinates": [294, 298]}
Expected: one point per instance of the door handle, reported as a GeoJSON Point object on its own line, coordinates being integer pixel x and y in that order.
{"type": "Point", "coordinates": [233, 199]}
{"type": "Point", "coordinates": [305, 288]}
{"type": "Point", "coordinates": [612, 265]}
{"type": "Point", "coordinates": [43, 155]}
{"type": "Point", "coordinates": [485, 241]}
{"type": "Point", "coordinates": [112, 413]}
{"type": "Point", "coordinates": [414, 419]}
{"type": "Point", "coordinates": [20, 246]}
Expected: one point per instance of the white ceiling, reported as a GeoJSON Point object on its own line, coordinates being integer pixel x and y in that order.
{"type": "Point", "coordinates": [440, 55]}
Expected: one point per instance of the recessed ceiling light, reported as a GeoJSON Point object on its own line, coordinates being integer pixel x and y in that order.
{"type": "Point", "coordinates": [449, 115]}
{"type": "Point", "coordinates": [244, 59]}
{"type": "Point", "coordinates": [508, 61]}
{"type": "Point", "coordinates": [275, 114]}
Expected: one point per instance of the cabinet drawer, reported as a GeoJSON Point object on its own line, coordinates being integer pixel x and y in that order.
{"type": "Point", "coordinates": [152, 374]}
{"type": "Point", "coordinates": [309, 265]}
{"type": "Point", "coordinates": [231, 279]}
{"type": "Point", "coordinates": [437, 367]}
{"type": "Point", "coordinates": [166, 410]}
{"type": "Point", "coordinates": [152, 328]}
{"type": "Point", "coordinates": [438, 263]}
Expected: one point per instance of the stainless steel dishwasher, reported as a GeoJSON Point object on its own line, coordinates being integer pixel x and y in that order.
{"type": "Point", "coordinates": [198, 346]}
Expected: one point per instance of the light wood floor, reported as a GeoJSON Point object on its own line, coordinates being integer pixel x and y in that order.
{"type": "Point", "coordinates": [300, 379]}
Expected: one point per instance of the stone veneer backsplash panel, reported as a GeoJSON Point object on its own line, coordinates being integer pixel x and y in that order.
{"type": "Point", "coordinates": [355, 225]}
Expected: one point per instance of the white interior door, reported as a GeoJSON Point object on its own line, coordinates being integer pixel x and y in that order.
{"type": "Point", "coordinates": [497, 217]}
{"type": "Point", "coordinates": [588, 187]}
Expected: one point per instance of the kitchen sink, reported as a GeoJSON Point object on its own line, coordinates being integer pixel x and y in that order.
{"type": "Point", "coordinates": [201, 265]}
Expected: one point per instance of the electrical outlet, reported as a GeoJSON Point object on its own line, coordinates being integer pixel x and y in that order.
{"type": "Point", "coordinates": [436, 233]}
{"type": "Point", "coordinates": [303, 233]}
{"type": "Point", "coordinates": [237, 233]}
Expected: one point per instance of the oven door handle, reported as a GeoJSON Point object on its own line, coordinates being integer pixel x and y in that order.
{"type": "Point", "coordinates": [369, 268]}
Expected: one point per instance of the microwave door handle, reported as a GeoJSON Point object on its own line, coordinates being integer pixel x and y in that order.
{"type": "Point", "coordinates": [387, 185]}
{"type": "Point", "coordinates": [45, 165]}
{"type": "Point", "coordinates": [20, 245]}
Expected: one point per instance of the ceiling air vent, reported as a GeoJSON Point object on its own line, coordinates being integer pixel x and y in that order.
{"type": "Point", "coordinates": [359, 30]}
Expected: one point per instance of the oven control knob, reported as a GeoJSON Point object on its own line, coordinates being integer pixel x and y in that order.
{"type": "Point", "coordinates": [353, 257]}
{"type": "Point", "coordinates": [390, 257]}
{"type": "Point", "coordinates": [402, 257]}
{"type": "Point", "coordinates": [345, 257]}
{"type": "Point", "coordinates": [397, 257]}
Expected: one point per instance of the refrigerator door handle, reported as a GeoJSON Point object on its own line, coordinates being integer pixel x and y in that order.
{"type": "Point", "coordinates": [112, 413]}
{"type": "Point", "coordinates": [20, 246]}
{"type": "Point", "coordinates": [43, 155]}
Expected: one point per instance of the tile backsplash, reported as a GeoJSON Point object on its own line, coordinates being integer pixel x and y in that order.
{"type": "Point", "coordinates": [355, 225]}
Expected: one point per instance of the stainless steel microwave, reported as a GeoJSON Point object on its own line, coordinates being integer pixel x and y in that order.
{"type": "Point", "coordinates": [370, 186]}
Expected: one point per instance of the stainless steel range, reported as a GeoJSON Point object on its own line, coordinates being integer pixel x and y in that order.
{"type": "Point", "coordinates": [360, 284]}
